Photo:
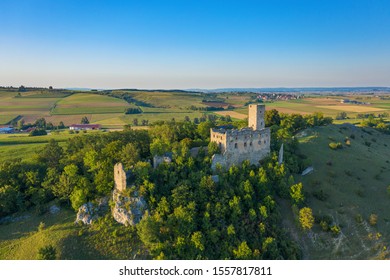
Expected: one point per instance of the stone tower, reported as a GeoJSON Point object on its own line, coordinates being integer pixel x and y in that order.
{"type": "Point", "coordinates": [119, 177]}
{"type": "Point", "coordinates": [256, 116]}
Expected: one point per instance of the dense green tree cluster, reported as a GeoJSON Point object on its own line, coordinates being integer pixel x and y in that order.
{"type": "Point", "coordinates": [193, 217]}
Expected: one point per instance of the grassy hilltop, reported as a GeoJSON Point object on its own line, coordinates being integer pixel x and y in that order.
{"type": "Point", "coordinates": [349, 189]}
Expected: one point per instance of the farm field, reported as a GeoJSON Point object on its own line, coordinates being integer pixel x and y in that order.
{"type": "Point", "coordinates": [330, 106]}
{"type": "Point", "coordinates": [348, 186]}
{"type": "Point", "coordinates": [87, 103]}
{"type": "Point", "coordinates": [25, 147]}
{"type": "Point", "coordinates": [71, 107]}
{"type": "Point", "coordinates": [168, 99]}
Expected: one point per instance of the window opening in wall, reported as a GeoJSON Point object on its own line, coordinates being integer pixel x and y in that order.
{"type": "Point", "coordinates": [235, 145]}
{"type": "Point", "coordinates": [245, 144]}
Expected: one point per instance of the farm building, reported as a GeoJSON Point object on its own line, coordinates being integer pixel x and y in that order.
{"type": "Point", "coordinates": [84, 127]}
{"type": "Point", "coordinates": [6, 130]}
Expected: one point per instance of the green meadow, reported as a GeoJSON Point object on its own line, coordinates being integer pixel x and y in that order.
{"type": "Point", "coordinates": [349, 186]}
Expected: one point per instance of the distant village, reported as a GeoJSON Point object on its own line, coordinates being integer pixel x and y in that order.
{"type": "Point", "coordinates": [278, 96]}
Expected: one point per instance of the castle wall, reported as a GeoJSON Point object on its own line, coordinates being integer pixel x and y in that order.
{"type": "Point", "coordinates": [251, 143]}
{"type": "Point", "coordinates": [219, 136]}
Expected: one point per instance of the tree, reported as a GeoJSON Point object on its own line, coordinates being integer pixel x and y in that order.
{"type": "Point", "coordinates": [61, 125]}
{"type": "Point", "coordinates": [306, 218]}
{"type": "Point", "coordinates": [47, 253]}
{"type": "Point", "coordinates": [341, 116]}
{"type": "Point", "coordinates": [243, 252]}
{"type": "Point", "coordinates": [40, 123]}
{"type": "Point", "coordinates": [135, 121]}
{"type": "Point", "coordinates": [204, 129]}
{"type": "Point", "coordinates": [296, 193]}
{"type": "Point", "coordinates": [272, 117]}
{"type": "Point", "coordinates": [22, 89]}
{"type": "Point", "coordinates": [129, 155]}
{"type": "Point", "coordinates": [51, 154]}
{"type": "Point", "coordinates": [84, 120]}
{"type": "Point", "coordinates": [9, 197]}
{"type": "Point", "coordinates": [38, 132]}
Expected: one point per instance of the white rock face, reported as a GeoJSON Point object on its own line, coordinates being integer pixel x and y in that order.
{"type": "Point", "coordinates": [91, 211]}
{"type": "Point", "coordinates": [128, 210]}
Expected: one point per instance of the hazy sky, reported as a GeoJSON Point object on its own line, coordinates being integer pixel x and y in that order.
{"type": "Point", "coordinates": [194, 44]}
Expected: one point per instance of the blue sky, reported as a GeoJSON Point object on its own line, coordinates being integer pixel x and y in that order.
{"type": "Point", "coordinates": [194, 44]}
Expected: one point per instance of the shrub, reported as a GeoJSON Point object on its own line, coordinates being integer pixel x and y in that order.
{"type": "Point", "coordinates": [38, 132]}
{"type": "Point", "coordinates": [41, 226]}
{"type": "Point", "coordinates": [367, 143]}
{"type": "Point", "coordinates": [373, 220]}
{"type": "Point", "coordinates": [324, 225]}
{"type": "Point", "coordinates": [306, 218]}
{"type": "Point", "coordinates": [335, 230]}
{"type": "Point", "coordinates": [335, 146]}
{"type": "Point", "coordinates": [320, 195]}
{"type": "Point", "coordinates": [359, 218]}
{"type": "Point", "coordinates": [47, 253]}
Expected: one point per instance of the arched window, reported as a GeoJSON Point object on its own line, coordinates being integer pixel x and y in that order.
{"type": "Point", "coordinates": [235, 145]}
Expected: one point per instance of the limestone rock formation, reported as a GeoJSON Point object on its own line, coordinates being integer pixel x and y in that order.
{"type": "Point", "coordinates": [91, 211]}
{"type": "Point", "coordinates": [128, 210]}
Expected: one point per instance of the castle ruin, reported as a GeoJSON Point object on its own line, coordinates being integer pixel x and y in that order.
{"type": "Point", "coordinates": [236, 145]}
{"type": "Point", "coordinates": [120, 177]}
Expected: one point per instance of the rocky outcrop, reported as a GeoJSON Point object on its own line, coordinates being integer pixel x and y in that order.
{"type": "Point", "coordinates": [128, 210]}
{"type": "Point", "coordinates": [91, 211]}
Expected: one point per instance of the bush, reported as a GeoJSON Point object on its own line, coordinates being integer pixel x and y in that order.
{"type": "Point", "coordinates": [41, 226]}
{"type": "Point", "coordinates": [335, 230]}
{"type": "Point", "coordinates": [367, 143]}
{"type": "Point", "coordinates": [320, 195]}
{"type": "Point", "coordinates": [373, 220]}
{"type": "Point", "coordinates": [335, 146]}
{"type": "Point", "coordinates": [47, 253]}
{"type": "Point", "coordinates": [359, 218]}
{"type": "Point", "coordinates": [38, 132]}
{"type": "Point", "coordinates": [306, 218]}
{"type": "Point", "coordinates": [130, 111]}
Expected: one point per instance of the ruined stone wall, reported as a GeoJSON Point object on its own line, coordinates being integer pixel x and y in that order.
{"type": "Point", "coordinates": [244, 144]}
{"type": "Point", "coordinates": [251, 143]}
{"type": "Point", "coordinates": [119, 177]}
{"type": "Point", "coordinates": [219, 136]}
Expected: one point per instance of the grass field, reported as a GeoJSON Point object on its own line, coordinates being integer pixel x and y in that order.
{"type": "Point", "coordinates": [25, 147]}
{"type": "Point", "coordinates": [105, 239]}
{"type": "Point", "coordinates": [162, 99]}
{"type": "Point", "coordinates": [354, 183]}
{"type": "Point", "coordinates": [87, 103]}
{"type": "Point", "coordinates": [330, 106]}
{"type": "Point", "coordinates": [232, 114]}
